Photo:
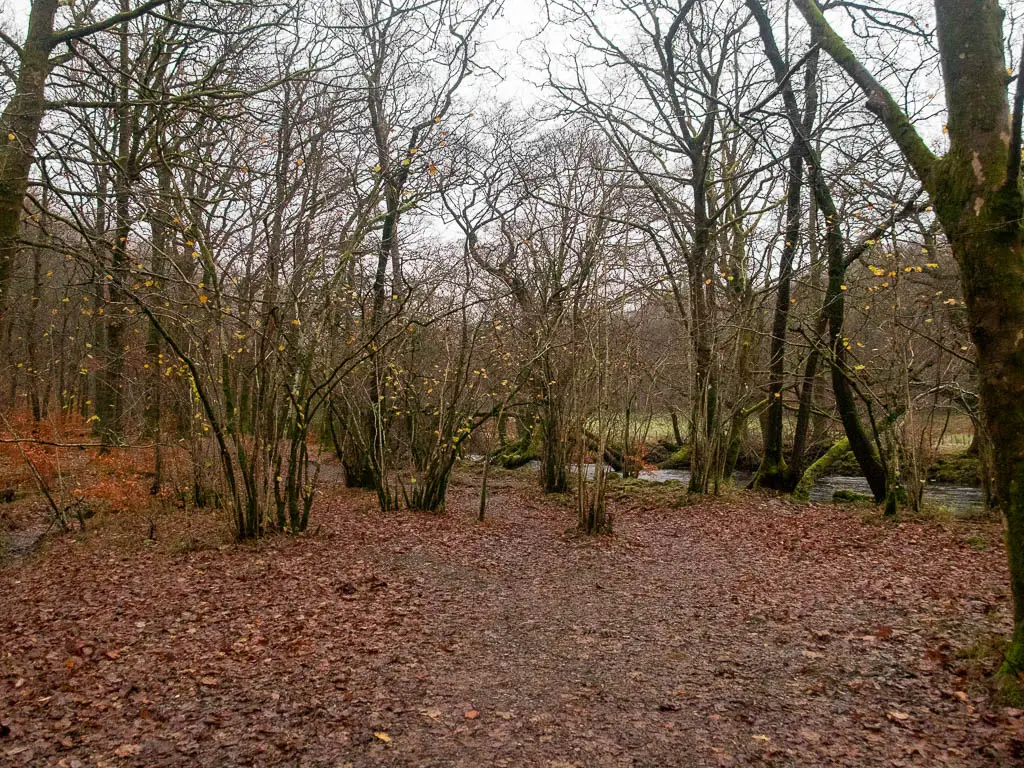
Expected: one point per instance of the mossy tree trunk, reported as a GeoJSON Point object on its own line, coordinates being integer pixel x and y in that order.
{"type": "Point", "coordinates": [819, 468]}
{"type": "Point", "coordinates": [834, 308]}
{"type": "Point", "coordinates": [773, 473]}
{"type": "Point", "coordinates": [976, 191]}
{"type": "Point", "coordinates": [525, 448]}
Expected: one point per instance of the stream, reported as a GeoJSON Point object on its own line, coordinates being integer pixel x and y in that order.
{"type": "Point", "coordinates": [956, 498]}
{"type": "Point", "coordinates": [960, 500]}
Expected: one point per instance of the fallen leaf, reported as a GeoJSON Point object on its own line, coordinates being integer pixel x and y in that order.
{"type": "Point", "coordinates": [897, 716]}
{"type": "Point", "coordinates": [472, 714]}
{"type": "Point", "coordinates": [381, 736]}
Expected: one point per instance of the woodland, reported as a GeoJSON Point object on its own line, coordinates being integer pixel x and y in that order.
{"type": "Point", "coordinates": [511, 382]}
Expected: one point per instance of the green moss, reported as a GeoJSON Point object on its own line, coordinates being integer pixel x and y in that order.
{"type": "Point", "coordinates": [678, 460]}
{"type": "Point", "coordinates": [1009, 690]}
{"type": "Point", "coordinates": [1009, 680]}
{"type": "Point", "coordinates": [851, 496]}
{"type": "Point", "coordinates": [819, 468]}
{"type": "Point", "coordinates": [956, 470]}
{"type": "Point", "coordinates": [977, 543]}
{"type": "Point", "coordinates": [959, 469]}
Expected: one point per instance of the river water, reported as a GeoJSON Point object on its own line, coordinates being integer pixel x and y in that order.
{"type": "Point", "coordinates": [955, 498]}
{"type": "Point", "coordinates": [960, 500]}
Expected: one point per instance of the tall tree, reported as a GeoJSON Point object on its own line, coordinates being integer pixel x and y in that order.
{"type": "Point", "coordinates": [976, 191]}
{"type": "Point", "coordinates": [23, 115]}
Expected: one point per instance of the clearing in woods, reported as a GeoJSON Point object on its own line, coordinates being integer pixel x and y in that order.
{"type": "Point", "coordinates": [739, 631]}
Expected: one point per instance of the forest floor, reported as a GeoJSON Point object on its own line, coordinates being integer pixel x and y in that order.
{"type": "Point", "coordinates": [745, 630]}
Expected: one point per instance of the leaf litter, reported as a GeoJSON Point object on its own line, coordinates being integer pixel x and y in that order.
{"type": "Point", "coordinates": [739, 631]}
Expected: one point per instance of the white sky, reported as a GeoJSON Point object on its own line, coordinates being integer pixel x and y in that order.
{"type": "Point", "coordinates": [517, 39]}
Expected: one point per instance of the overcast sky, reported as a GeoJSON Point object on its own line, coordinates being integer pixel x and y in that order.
{"type": "Point", "coordinates": [517, 41]}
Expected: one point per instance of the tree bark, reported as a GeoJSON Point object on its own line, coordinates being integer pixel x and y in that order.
{"type": "Point", "coordinates": [976, 191]}
{"type": "Point", "coordinates": [21, 119]}
{"type": "Point", "coordinates": [19, 132]}
{"type": "Point", "coordinates": [835, 305]}
{"type": "Point", "coordinates": [773, 472]}
{"type": "Point", "coordinates": [805, 411]}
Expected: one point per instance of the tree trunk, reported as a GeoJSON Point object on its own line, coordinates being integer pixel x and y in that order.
{"type": "Point", "coordinates": [703, 442]}
{"type": "Point", "coordinates": [431, 488]}
{"type": "Point", "coordinates": [554, 459]}
{"type": "Point", "coordinates": [111, 425]}
{"type": "Point", "coordinates": [835, 305]}
{"type": "Point", "coordinates": [677, 433]}
{"type": "Point", "coordinates": [19, 132]}
{"type": "Point", "coordinates": [976, 191]}
{"type": "Point", "coordinates": [846, 401]}
{"type": "Point", "coordinates": [773, 472]}
{"type": "Point", "coordinates": [819, 468]}
{"type": "Point", "coordinates": [801, 436]}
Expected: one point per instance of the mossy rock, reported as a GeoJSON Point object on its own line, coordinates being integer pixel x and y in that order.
{"type": "Point", "coordinates": [659, 453]}
{"type": "Point", "coordinates": [844, 496]}
{"type": "Point", "coordinates": [678, 460]}
{"type": "Point", "coordinates": [956, 470]}
{"type": "Point", "coordinates": [517, 460]}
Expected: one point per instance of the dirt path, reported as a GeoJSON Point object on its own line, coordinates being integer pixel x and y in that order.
{"type": "Point", "coordinates": [729, 633]}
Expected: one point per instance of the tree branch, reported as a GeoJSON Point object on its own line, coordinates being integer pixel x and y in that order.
{"type": "Point", "coordinates": [880, 101]}
{"type": "Point", "coordinates": [1013, 163]}
{"type": "Point", "coordinates": [77, 33]}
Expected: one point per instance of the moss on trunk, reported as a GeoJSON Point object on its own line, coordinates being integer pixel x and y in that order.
{"type": "Point", "coordinates": [820, 468]}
